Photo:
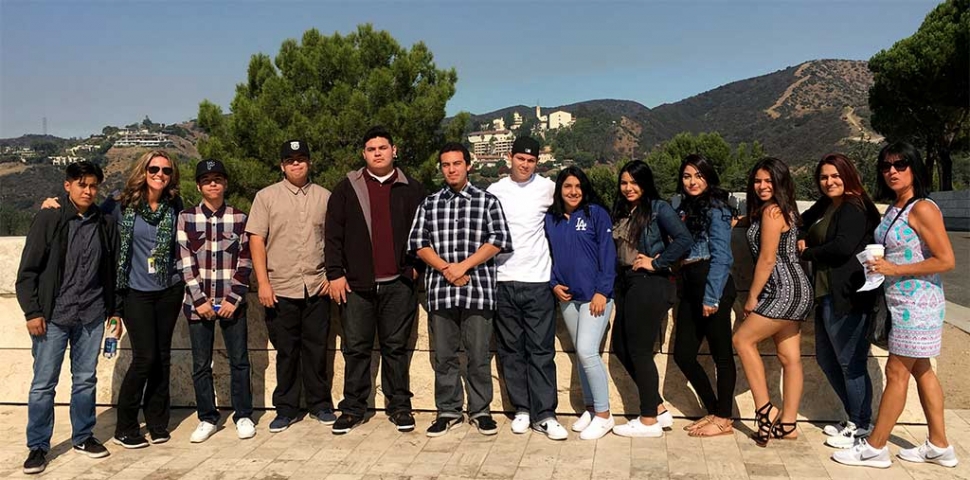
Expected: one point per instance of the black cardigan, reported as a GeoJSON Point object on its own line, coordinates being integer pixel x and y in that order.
{"type": "Point", "coordinates": [848, 233]}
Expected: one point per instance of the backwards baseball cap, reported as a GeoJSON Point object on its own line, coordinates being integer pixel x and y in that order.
{"type": "Point", "coordinates": [294, 148]}
{"type": "Point", "coordinates": [527, 145]}
{"type": "Point", "coordinates": [210, 166]}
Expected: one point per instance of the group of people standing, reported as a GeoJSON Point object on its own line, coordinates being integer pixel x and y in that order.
{"type": "Point", "coordinates": [503, 259]}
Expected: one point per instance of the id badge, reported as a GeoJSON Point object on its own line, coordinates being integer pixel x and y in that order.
{"type": "Point", "coordinates": [151, 265]}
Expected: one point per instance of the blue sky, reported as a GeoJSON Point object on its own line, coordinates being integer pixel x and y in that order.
{"type": "Point", "coordinates": [86, 64]}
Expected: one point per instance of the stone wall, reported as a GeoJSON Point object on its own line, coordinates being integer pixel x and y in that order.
{"type": "Point", "coordinates": [818, 403]}
{"type": "Point", "coordinates": [955, 206]}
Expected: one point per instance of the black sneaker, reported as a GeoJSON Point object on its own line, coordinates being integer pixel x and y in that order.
{"type": "Point", "coordinates": [130, 441]}
{"type": "Point", "coordinates": [92, 448]}
{"type": "Point", "coordinates": [36, 462]}
{"type": "Point", "coordinates": [159, 436]}
{"type": "Point", "coordinates": [485, 424]}
{"type": "Point", "coordinates": [404, 421]}
{"type": "Point", "coordinates": [441, 425]}
{"type": "Point", "coordinates": [345, 423]}
{"type": "Point", "coordinates": [325, 416]}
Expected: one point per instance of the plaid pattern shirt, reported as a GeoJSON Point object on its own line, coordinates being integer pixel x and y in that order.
{"type": "Point", "coordinates": [213, 256]}
{"type": "Point", "coordinates": [456, 225]}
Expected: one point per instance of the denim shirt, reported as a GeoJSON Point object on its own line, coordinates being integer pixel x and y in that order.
{"type": "Point", "coordinates": [714, 244]}
{"type": "Point", "coordinates": [665, 235]}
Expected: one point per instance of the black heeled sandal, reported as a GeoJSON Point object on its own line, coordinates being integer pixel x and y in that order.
{"type": "Point", "coordinates": [765, 424]}
{"type": "Point", "coordinates": [782, 431]}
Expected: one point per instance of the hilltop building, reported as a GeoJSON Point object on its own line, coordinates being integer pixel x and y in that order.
{"type": "Point", "coordinates": [142, 138]}
{"type": "Point", "coordinates": [492, 142]}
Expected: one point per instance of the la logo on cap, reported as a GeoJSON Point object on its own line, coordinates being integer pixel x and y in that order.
{"type": "Point", "coordinates": [209, 165]}
{"type": "Point", "coordinates": [528, 150]}
{"type": "Point", "coordinates": [294, 145]}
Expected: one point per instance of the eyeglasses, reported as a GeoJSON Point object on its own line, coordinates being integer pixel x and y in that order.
{"type": "Point", "coordinates": [291, 160]}
{"type": "Point", "coordinates": [155, 168]}
{"type": "Point", "coordinates": [900, 165]}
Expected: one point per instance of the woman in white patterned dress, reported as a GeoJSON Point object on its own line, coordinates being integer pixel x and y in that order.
{"type": "Point", "coordinates": [917, 251]}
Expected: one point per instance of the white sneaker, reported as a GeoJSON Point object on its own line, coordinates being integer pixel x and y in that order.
{"type": "Point", "coordinates": [552, 429]}
{"type": "Point", "coordinates": [666, 420]}
{"type": "Point", "coordinates": [598, 427]}
{"type": "Point", "coordinates": [833, 430]}
{"type": "Point", "coordinates": [521, 423]}
{"type": "Point", "coordinates": [864, 455]}
{"type": "Point", "coordinates": [634, 428]}
{"type": "Point", "coordinates": [245, 428]}
{"type": "Point", "coordinates": [203, 432]}
{"type": "Point", "coordinates": [927, 452]}
{"type": "Point", "coordinates": [848, 437]}
{"type": "Point", "coordinates": [583, 422]}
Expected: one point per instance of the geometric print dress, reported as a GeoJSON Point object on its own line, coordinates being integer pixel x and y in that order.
{"type": "Point", "coordinates": [788, 294]}
{"type": "Point", "coordinates": [916, 303]}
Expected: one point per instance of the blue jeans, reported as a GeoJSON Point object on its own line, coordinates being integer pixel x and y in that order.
{"type": "Point", "coordinates": [48, 351]}
{"type": "Point", "coordinates": [586, 332]}
{"type": "Point", "coordinates": [842, 351]}
{"type": "Point", "coordinates": [234, 334]}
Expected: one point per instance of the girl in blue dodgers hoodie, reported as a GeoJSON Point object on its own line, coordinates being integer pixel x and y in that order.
{"type": "Point", "coordinates": [583, 273]}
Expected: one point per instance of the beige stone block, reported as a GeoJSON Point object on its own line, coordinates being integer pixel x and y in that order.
{"type": "Point", "coordinates": [10, 249]}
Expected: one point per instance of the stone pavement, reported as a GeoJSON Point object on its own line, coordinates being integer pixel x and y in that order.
{"type": "Point", "coordinates": [377, 450]}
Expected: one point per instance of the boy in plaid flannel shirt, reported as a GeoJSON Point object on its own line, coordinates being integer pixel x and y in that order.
{"type": "Point", "coordinates": [216, 263]}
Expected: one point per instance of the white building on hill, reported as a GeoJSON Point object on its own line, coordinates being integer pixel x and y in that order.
{"type": "Point", "coordinates": [494, 142]}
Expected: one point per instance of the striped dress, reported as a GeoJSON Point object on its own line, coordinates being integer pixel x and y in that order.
{"type": "Point", "coordinates": [788, 293]}
{"type": "Point", "coordinates": [917, 304]}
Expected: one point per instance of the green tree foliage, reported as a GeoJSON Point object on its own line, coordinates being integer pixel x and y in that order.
{"type": "Point", "coordinates": [603, 178]}
{"type": "Point", "coordinates": [732, 165]}
{"type": "Point", "coordinates": [328, 90]}
{"type": "Point", "coordinates": [921, 90]}
{"type": "Point", "coordinates": [588, 141]}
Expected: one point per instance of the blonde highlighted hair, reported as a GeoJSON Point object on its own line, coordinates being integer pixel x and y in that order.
{"type": "Point", "coordinates": [136, 187]}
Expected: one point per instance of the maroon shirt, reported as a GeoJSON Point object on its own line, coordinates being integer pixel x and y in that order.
{"type": "Point", "coordinates": [382, 236]}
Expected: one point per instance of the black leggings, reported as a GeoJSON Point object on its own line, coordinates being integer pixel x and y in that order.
{"type": "Point", "coordinates": [642, 302]}
{"type": "Point", "coordinates": [150, 320]}
{"type": "Point", "coordinates": [693, 327]}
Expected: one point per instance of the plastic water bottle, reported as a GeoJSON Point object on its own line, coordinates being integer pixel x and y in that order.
{"type": "Point", "coordinates": [111, 341]}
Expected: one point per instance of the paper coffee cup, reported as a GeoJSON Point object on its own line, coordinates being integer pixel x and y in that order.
{"type": "Point", "coordinates": [876, 250]}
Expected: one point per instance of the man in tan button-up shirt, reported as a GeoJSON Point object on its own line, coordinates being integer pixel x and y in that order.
{"type": "Point", "coordinates": [286, 239]}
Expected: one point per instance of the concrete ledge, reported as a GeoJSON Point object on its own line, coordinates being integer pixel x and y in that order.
{"type": "Point", "coordinates": [819, 401]}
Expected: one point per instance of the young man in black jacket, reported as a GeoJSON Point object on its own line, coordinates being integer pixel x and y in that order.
{"type": "Point", "coordinates": [368, 221]}
{"type": "Point", "coordinates": [66, 288]}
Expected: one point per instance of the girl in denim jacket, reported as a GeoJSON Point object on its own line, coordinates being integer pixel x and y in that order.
{"type": "Point", "coordinates": [650, 238]}
{"type": "Point", "coordinates": [706, 294]}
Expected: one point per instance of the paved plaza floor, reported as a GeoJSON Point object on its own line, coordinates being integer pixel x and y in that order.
{"type": "Point", "coordinates": [377, 450]}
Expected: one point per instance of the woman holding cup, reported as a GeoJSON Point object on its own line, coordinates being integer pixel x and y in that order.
{"type": "Point", "coordinates": [837, 227]}
{"type": "Point", "coordinates": [917, 250]}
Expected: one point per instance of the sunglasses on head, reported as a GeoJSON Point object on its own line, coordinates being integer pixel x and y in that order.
{"type": "Point", "coordinates": [900, 165]}
{"type": "Point", "coordinates": [155, 168]}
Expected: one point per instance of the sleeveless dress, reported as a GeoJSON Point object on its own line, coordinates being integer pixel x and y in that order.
{"type": "Point", "coordinates": [788, 293]}
{"type": "Point", "coordinates": [916, 303]}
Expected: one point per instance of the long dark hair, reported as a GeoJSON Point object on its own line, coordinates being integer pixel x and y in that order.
{"type": "Point", "coordinates": [855, 193]}
{"type": "Point", "coordinates": [558, 207]}
{"type": "Point", "coordinates": [639, 217]}
{"type": "Point", "coordinates": [695, 209]}
{"type": "Point", "coordinates": [907, 152]}
{"type": "Point", "coordinates": [782, 190]}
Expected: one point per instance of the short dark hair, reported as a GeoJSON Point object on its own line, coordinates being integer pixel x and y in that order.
{"type": "Point", "coordinates": [455, 147]}
{"type": "Point", "coordinates": [905, 151]}
{"type": "Point", "coordinates": [79, 170]}
{"type": "Point", "coordinates": [377, 131]}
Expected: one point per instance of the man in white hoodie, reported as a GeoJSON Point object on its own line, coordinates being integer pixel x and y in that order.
{"type": "Point", "coordinates": [526, 320]}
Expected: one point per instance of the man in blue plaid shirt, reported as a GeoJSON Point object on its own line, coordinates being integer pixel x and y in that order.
{"type": "Point", "coordinates": [457, 231]}
{"type": "Point", "coordinates": [216, 264]}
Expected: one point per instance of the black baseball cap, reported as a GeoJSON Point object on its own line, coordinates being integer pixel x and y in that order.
{"type": "Point", "coordinates": [294, 148]}
{"type": "Point", "coordinates": [527, 145]}
{"type": "Point", "coordinates": [210, 166]}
